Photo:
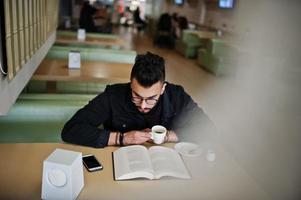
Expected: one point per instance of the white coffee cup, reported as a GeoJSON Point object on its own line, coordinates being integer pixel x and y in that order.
{"type": "Point", "coordinates": [158, 134]}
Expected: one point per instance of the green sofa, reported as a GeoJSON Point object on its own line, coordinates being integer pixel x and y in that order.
{"type": "Point", "coordinates": [65, 87]}
{"type": "Point", "coordinates": [96, 54]}
{"type": "Point", "coordinates": [39, 117]}
{"type": "Point", "coordinates": [218, 57]}
{"type": "Point", "coordinates": [191, 41]}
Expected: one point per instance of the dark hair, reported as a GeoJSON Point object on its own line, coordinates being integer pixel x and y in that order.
{"type": "Point", "coordinates": [148, 69]}
{"type": "Point", "coordinates": [164, 23]}
{"type": "Point", "coordinates": [183, 22]}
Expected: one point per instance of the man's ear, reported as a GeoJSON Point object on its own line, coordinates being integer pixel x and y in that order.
{"type": "Point", "coordinates": [163, 88]}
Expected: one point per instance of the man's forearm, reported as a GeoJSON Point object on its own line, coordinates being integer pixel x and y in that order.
{"type": "Point", "coordinates": [113, 139]}
{"type": "Point", "coordinates": [171, 136]}
{"type": "Point", "coordinates": [84, 135]}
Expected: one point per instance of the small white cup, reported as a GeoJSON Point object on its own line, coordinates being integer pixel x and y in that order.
{"type": "Point", "coordinates": [158, 134]}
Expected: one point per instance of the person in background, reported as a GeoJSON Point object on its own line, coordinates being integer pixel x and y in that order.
{"type": "Point", "coordinates": [137, 19]}
{"type": "Point", "coordinates": [124, 113]}
{"type": "Point", "coordinates": [164, 33]}
{"type": "Point", "coordinates": [86, 18]}
{"type": "Point", "coordinates": [183, 23]}
{"type": "Point", "coordinates": [179, 24]}
{"type": "Point", "coordinates": [102, 19]}
{"type": "Point", "coordinates": [175, 25]}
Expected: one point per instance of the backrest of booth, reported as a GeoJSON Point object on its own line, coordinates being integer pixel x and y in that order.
{"type": "Point", "coordinates": [96, 54]}
{"type": "Point", "coordinates": [39, 117]}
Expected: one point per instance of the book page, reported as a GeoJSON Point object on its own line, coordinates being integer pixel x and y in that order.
{"type": "Point", "coordinates": [167, 162]}
{"type": "Point", "coordinates": [132, 162]}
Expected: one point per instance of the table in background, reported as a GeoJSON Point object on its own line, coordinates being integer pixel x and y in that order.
{"type": "Point", "coordinates": [54, 70]}
{"type": "Point", "coordinates": [97, 71]}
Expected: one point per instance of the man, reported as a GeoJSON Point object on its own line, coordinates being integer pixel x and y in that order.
{"type": "Point", "coordinates": [128, 111]}
{"type": "Point", "coordinates": [86, 18]}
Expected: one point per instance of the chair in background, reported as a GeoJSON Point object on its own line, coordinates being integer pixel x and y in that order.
{"type": "Point", "coordinates": [189, 43]}
{"type": "Point", "coordinates": [218, 57]}
{"type": "Point", "coordinates": [164, 37]}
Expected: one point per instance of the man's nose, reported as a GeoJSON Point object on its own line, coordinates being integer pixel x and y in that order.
{"type": "Point", "coordinates": [143, 104]}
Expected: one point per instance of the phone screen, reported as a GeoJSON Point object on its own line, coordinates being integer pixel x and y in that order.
{"type": "Point", "coordinates": [91, 163]}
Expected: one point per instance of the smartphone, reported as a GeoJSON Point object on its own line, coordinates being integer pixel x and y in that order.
{"type": "Point", "coordinates": [91, 163]}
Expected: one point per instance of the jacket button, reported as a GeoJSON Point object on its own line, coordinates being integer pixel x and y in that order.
{"type": "Point", "coordinates": [123, 125]}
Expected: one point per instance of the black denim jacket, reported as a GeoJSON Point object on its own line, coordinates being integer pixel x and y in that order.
{"type": "Point", "coordinates": [113, 110]}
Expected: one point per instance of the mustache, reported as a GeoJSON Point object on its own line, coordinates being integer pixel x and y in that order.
{"type": "Point", "coordinates": [143, 108]}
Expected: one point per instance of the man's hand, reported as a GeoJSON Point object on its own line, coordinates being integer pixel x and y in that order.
{"type": "Point", "coordinates": [136, 137]}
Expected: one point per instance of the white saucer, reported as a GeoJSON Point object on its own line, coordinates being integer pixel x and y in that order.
{"type": "Point", "coordinates": [188, 149]}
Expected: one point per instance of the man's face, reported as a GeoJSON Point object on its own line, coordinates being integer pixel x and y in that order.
{"type": "Point", "coordinates": [146, 98]}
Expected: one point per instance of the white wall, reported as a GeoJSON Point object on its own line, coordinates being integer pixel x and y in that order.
{"type": "Point", "coordinates": [157, 8]}
{"type": "Point", "coordinates": [222, 18]}
{"type": "Point", "coordinates": [258, 111]}
{"type": "Point", "coordinates": [192, 10]}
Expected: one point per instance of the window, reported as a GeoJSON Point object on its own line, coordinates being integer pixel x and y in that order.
{"type": "Point", "coordinates": [226, 3]}
{"type": "Point", "coordinates": [179, 2]}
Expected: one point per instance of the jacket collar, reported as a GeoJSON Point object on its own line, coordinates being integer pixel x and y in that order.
{"type": "Point", "coordinates": [167, 110]}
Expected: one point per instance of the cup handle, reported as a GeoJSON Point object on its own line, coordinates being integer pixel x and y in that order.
{"type": "Point", "coordinates": [152, 135]}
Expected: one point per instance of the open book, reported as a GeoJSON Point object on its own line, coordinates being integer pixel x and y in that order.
{"type": "Point", "coordinates": [139, 162]}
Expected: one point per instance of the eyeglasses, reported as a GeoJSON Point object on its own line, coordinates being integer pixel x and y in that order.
{"type": "Point", "coordinates": [149, 101]}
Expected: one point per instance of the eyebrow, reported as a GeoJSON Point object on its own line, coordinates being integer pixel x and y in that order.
{"type": "Point", "coordinates": [144, 97]}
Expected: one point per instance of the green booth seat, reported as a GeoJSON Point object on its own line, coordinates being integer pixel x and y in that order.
{"type": "Point", "coordinates": [65, 87]}
{"type": "Point", "coordinates": [75, 45]}
{"type": "Point", "coordinates": [94, 54]}
{"type": "Point", "coordinates": [190, 42]}
{"type": "Point", "coordinates": [219, 57]}
{"type": "Point", "coordinates": [39, 118]}
{"type": "Point", "coordinates": [76, 87]}
{"type": "Point", "coordinates": [34, 86]}
{"type": "Point", "coordinates": [56, 97]}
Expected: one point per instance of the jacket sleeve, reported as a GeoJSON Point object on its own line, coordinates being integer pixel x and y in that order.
{"type": "Point", "coordinates": [191, 123]}
{"type": "Point", "coordinates": [83, 127]}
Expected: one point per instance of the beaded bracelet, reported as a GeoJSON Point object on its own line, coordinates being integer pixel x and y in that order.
{"type": "Point", "coordinates": [121, 139]}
